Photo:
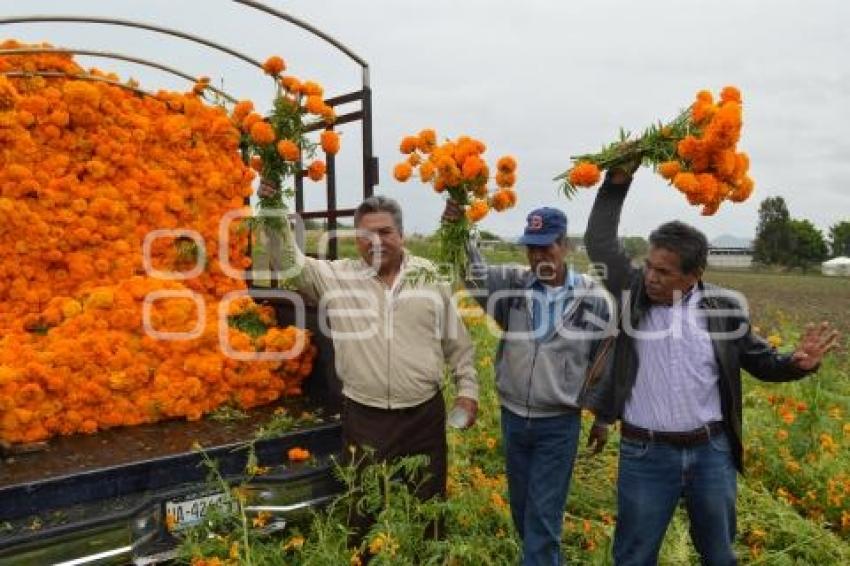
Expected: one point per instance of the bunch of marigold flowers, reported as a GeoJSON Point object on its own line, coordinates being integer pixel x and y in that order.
{"type": "Point", "coordinates": [88, 170]}
{"type": "Point", "coordinates": [277, 145]}
{"type": "Point", "coordinates": [458, 168]}
{"type": "Point", "coordinates": [697, 153]}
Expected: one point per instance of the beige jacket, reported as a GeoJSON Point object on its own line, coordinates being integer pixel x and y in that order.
{"type": "Point", "coordinates": [391, 345]}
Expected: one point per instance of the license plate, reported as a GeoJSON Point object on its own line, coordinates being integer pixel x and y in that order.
{"type": "Point", "coordinates": [180, 514]}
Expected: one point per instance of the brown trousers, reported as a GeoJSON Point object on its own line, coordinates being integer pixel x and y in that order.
{"type": "Point", "coordinates": [396, 433]}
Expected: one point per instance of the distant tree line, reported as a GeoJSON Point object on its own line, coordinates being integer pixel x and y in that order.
{"type": "Point", "coordinates": [794, 243]}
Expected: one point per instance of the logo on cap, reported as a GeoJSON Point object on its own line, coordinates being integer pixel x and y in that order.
{"type": "Point", "coordinates": [535, 222]}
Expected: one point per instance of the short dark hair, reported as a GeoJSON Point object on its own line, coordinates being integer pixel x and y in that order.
{"type": "Point", "coordinates": [379, 203]}
{"type": "Point", "coordinates": [685, 241]}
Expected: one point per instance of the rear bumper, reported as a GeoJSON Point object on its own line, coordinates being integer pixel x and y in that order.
{"type": "Point", "coordinates": [128, 525]}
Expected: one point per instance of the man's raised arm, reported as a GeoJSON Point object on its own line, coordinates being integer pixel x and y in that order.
{"type": "Point", "coordinates": [600, 238]}
{"type": "Point", "coordinates": [306, 273]}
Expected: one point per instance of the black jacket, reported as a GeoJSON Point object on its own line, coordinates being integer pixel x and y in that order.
{"type": "Point", "coordinates": [742, 350]}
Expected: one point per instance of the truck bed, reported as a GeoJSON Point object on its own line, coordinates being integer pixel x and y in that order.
{"type": "Point", "coordinates": [70, 455]}
{"type": "Point", "coordinates": [104, 482]}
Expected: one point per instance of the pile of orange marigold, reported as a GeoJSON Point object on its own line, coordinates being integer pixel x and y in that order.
{"type": "Point", "coordinates": [87, 170]}
{"type": "Point", "coordinates": [696, 152]}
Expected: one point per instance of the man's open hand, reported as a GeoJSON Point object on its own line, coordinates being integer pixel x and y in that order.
{"type": "Point", "coordinates": [817, 341]}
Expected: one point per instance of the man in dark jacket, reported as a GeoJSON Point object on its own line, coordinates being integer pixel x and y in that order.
{"type": "Point", "coordinates": [676, 384]}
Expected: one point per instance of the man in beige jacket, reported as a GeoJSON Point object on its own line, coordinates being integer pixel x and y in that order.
{"type": "Point", "coordinates": [394, 328]}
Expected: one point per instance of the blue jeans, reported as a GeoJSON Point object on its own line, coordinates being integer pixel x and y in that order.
{"type": "Point", "coordinates": [653, 477]}
{"type": "Point", "coordinates": [540, 454]}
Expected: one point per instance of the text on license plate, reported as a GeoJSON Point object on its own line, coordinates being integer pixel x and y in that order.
{"type": "Point", "coordinates": [183, 513]}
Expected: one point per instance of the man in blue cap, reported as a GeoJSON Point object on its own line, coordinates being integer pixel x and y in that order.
{"type": "Point", "coordinates": [555, 324]}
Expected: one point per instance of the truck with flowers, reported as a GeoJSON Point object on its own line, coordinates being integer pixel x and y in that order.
{"type": "Point", "coordinates": [146, 377]}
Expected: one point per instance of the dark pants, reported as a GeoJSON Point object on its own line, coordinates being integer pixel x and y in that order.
{"type": "Point", "coordinates": [396, 433]}
{"type": "Point", "coordinates": [540, 454]}
{"type": "Point", "coordinates": [653, 477]}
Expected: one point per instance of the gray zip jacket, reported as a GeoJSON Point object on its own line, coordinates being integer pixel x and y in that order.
{"type": "Point", "coordinates": [540, 374]}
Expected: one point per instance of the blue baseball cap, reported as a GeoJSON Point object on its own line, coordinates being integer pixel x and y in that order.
{"type": "Point", "coordinates": [544, 226]}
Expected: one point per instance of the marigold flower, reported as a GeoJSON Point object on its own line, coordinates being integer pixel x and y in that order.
{"type": "Point", "coordinates": [383, 543]}
{"type": "Point", "coordinates": [502, 200]}
{"type": "Point", "coordinates": [274, 65]}
{"type": "Point", "coordinates": [472, 167]}
{"type": "Point", "coordinates": [242, 109]}
{"type": "Point", "coordinates": [262, 132]}
{"type": "Point", "coordinates": [408, 144]}
{"type": "Point", "coordinates": [827, 443]}
{"type": "Point", "coordinates": [288, 150]}
{"type": "Point", "coordinates": [402, 171]}
{"type": "Point", "coordinates": [315, 105]}
{"type": "Point", "coordinates": [316, 170]}
{"type": "Point", "coordinates": [291, 84]}
{"type": "Point", "coordinates": [330, 142]}
{"type": "Point", "coordinates": [297, 454]}
{"type": "Point", "coordinates": [701, 112]}
{"type": "Point", "coordinates": [250, 120]}
{"type": "Point", "coordinates": [312, 88]}
{"type": "Point", "coordinates": [427, 140]}
{"type": "Point", "coordinates": [8, 94]}
{"type": "Point", "coordinates": [705, 97]}
{"type": "Point", "coordinates": [426, 171]}
{"type": "Point", "coordinates": [294, 543]}
{"type": "Point", "coordinates": [686, 182]}
{"type": "Point", "coordinates": [743, 191]}
{"type": "Point", "coordinates": [506, 164]}
{"type": "Point", "coordinates": [742, 165]}
{"type": "Point", "coordinates": [687, 147]}
{"type": "Point", "coordinates": [505, 180]}
{"type": "Point", "coordinates": [730, 94]}
{"type": "Point", "coordinates": [328, 115]}
{"type": "Point", "coordinates": [584, 174]}
{"type": "Point", "coordinates": [258, 522]}
{"type": "Point", "coordinates": [669, 169]}
{"type": "Point", "coordinates": [724, 163]}
{"type": "Point", "coordinates": [477, 210]}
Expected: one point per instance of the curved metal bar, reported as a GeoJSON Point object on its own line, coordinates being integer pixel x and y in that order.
{"type": "Point", "coordinates": [131, 24]}
{"type": "Point", "coordinates": [82, 77]}
{"type": "Point", "coordinates": [307, 27]}
{"type": "Point", "coordinates": [111, 55]}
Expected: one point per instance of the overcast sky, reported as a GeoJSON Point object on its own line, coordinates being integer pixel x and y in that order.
{"type": "Point", "coordinates": [537, 79]}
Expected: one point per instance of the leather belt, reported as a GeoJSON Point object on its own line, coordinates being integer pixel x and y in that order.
{"type": "Point", "coordinates": [689, 438]}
